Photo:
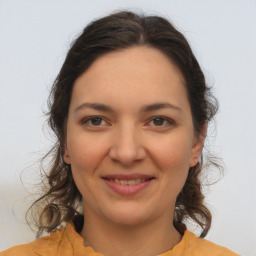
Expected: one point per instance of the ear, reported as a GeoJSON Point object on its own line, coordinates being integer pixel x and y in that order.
{"type": "Point", "coordinates": [66, 156]}
{"type": "Point", "coordinates": [197, 147]}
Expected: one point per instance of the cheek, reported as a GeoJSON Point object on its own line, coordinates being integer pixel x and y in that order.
{"type": "Point", "coordinates": [171, 152]}
{"type": "Point", "coordinates": [86, 152]}
{"type": "Point", "coordinates": [172, 157]}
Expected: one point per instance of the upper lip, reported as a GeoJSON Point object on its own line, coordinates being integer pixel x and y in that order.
{"type": "Point", "coordinates": [128, 176]}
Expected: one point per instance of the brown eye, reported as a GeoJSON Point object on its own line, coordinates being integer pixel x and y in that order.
{"type": "Point", "coordinates": [160, 121]}
{"type": "Point", "coordinates": [94, 121]}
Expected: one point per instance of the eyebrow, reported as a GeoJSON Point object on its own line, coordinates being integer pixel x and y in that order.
{"type": "Point", "coordinates": [157, 106]}
{"type": "Point", "coordinates": [147, 108]}
{"type": "Point", "coordinates": [96, 106]}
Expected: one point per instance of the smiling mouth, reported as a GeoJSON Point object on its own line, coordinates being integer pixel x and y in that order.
{"type": "Point", "coordinates": [128, 182]}
{"type": "Point", "coordinates": [128, 185]}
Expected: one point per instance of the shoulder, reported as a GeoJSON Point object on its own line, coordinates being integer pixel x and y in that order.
{"type": "Point", "coordinates": [47, 245]}
{"type": "Point", "coordinates": [64, 241]}
{"type": "Point", "coordinates": [199, 246]}
{"type": "Point", "coordinates": [21, 250]}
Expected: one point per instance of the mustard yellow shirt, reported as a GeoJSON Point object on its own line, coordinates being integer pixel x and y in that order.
{"type": "Point", "coordinates": [67, 242]}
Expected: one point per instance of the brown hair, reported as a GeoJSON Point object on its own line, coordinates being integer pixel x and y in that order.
{"type": "Point", "coordinates": [61, 199]}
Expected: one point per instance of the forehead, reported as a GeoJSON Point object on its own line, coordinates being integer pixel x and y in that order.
{"type": "Point", "coordinates": [133, 75]}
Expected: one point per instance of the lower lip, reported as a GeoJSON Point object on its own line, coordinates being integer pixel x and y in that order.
{"type": "Point", "coordinates": [127, 190]}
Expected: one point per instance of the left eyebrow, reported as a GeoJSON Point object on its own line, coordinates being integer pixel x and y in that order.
{"type": "Point", "coordinates": [157, 106]}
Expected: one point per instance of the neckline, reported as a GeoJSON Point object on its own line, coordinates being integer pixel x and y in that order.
{"type": "Point", "coordinates": [77, 242]}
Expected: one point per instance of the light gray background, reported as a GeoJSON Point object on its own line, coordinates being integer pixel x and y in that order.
{"type": "Point", "coordinates": [34, 38]}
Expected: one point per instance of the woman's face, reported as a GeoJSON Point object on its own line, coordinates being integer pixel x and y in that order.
{"type": "Point", "coordinates": [130, 138]}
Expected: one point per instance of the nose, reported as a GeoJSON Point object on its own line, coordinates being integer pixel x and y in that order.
{"type": "Point", "coordinates": [127, 147]}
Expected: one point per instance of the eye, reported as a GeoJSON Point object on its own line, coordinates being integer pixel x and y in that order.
{"type": "Point", "coordinates": [160, 122]}
{"type": "Point", "coordinates": [94, 121]}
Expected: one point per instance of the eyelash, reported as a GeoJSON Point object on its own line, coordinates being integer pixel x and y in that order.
{"type": "Point", "coordinates": [88, 119]}
{"type": "Point", "coordinates": [169, 121]}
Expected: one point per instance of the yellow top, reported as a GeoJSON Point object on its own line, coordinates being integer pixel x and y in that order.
{"type": "Point", "coordinates": [67, 242]}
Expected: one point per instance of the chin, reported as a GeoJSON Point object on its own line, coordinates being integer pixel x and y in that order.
{"type": "Point", "coordinates": [129, 217]}
{"type": "Point", "coordinates": [129, 221]}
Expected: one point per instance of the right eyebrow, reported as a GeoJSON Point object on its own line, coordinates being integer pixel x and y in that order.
{"type": "Point", "coordinates": [96, 106]}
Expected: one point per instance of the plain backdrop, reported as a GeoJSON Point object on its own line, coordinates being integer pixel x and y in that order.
{"type": "Point", "coordinates": [34, 38]}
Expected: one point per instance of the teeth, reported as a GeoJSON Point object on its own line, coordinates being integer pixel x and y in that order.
{"type": "Point", "coordinates": [117, 181]}
{"type": "Point", "coordinates": [128, 182]}
{"type": "Point", "coordinates": [123, 182]}
{"type": "Point", "coordinates": [131, 182]}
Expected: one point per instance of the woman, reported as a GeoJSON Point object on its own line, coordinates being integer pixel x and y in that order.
{"type": "Point", "coordinates": [130, 110]}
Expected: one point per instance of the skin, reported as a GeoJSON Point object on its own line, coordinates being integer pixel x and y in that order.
{"type": "Point", "coordinates": [130, 139]}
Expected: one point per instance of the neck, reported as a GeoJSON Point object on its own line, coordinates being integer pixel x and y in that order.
{"type": "Point", "coordinates": [113, 239]}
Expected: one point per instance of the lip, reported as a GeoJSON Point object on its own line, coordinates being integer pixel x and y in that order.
{"type": "Point", "coordinates": [128, 190]}
{"type": "Point", "coordinates": [128, 176]}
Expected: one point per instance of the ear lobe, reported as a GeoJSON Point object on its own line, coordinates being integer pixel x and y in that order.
{"type": "Point", "coordinates": [66, 157]}
{"type": "Point", "coordinates": [197, 147]}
